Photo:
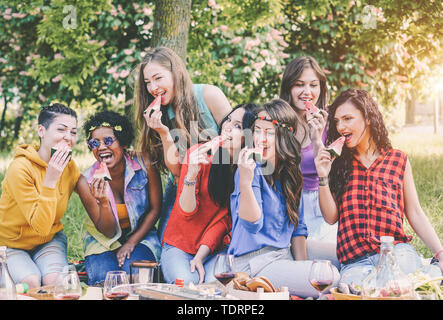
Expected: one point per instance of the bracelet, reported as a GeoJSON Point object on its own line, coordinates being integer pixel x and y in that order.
{"type": "Point", "coordinates": [190, 183]}
{"type": "Point", "coordinates": [437, 253]}
{"type": "Point", "coordinates": [323, 181]}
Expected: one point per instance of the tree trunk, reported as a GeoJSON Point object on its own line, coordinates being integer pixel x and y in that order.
{"type": "Point", "coordinates": [2, 121]}
{"type": "Point", "coordinates": [171, 25]}
{"type": "Point", "coordinates": [18, 120]}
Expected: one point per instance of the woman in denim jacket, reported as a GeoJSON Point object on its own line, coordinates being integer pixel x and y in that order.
{"type": "Point", "coordinates": [122, 212]}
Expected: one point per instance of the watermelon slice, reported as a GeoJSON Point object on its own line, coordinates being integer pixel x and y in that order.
{"type": "Point", "coordinates": [215, 144]}
{"type": "Point", "coordinates": [257, 154]}
{"type": "Point", "coordinates": [311, 109]}
{"type": "Point", "coordinates": [156, 104]}
{"type": "Point", "coordinates": [335, 148]}
{"type": "Point", "coordinates": [55, 148]}
{"type": "Point", "coordinates": [102, 172]}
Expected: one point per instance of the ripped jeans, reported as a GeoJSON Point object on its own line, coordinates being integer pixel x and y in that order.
{"type": "Point", "coordinates": [44, 259]}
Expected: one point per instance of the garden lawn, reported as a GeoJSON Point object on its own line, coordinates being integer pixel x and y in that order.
{"type": "Point", "coordinates": [425, 152]}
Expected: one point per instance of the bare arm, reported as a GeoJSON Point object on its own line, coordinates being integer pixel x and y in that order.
{"type": "Point", "coordinates": [328, 206]}
{"type": "Point", "coordinates": [100, 213]}
{"type": "Point", "coordinates": [416, 217]}
{"type": "Point", "coordinates": [248, 208]}
{"type": "Point", "coordinates": [298, 248]}
{"type": "Point", "coordinates": [217, 102]}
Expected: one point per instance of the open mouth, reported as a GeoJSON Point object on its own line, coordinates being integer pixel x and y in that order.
{"type": "Point", "coordinates": [306, 99]}
{"type": "Point", "coordinates": [105, 157]}
{"type": "Point", "coordinates": [347, 136]}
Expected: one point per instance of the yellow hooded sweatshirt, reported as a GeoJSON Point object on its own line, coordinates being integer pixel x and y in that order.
{"type": "Point", "coordinates": [30, 212]}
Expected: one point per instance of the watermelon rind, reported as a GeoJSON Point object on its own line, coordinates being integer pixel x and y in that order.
{"type": "Point", "coordinates": [333, 152]}
{"type": "Point", "coordinates": [256, 155]}
{"type": "Point", "coordinates": [53, 150]}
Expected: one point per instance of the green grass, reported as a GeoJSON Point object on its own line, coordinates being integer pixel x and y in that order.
{"type": "Point", "coordinates": [425, 152]}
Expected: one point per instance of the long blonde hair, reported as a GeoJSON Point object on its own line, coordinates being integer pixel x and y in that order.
{"type": "Point", "coordinates": [183, 103]}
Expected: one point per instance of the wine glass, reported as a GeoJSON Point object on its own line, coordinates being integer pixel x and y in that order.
{"type": "Point", "coordinates": [116, 286]}
{"type": "Point", "coordinates": [67, 285]}
{"type": "Point", "coordinates": [321, 275]}
{"type": "Point", "coordinates": [223, 268]}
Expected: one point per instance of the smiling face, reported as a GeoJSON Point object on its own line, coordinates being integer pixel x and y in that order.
{"type": "Point", "coordinates": [306, 88]}
{"type": "Point", "coordinates": [265, 137]}
{"type": "Point", "coordinates": [62, 129]}
{"type": "Point", "coordinates": [350, 123]}
{"type": "Point", "coordinates": [232, 129]}
{"type": "Point", "coordinates": [159, 81]}
{"type": "Point", "coordinates": [113, 154]}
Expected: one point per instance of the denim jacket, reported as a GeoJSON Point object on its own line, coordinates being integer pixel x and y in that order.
{"type": "Point", "coordinates": [136, 198]}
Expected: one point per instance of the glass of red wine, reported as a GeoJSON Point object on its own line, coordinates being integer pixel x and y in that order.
{"type": "Point", "coordinates": [223, 268]}
{"type": "Point", "coordinates": [321, 275]}
{"type": "Point", "coordinates": [67, 285]}
{"type": "Point", "coordinates": [116, 286]}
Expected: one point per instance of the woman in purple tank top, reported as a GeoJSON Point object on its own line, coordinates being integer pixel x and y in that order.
{"type": "Point", "coordinates": [304, 82]}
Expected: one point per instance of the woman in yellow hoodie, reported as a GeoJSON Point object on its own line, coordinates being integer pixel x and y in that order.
{"type": "Point", "coordinates": [35, 194]}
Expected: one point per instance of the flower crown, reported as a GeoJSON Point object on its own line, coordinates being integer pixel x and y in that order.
{"type": "Point", "coordinates": [276, 123]}
{"type": "Point", "coordinates": [106, 124]}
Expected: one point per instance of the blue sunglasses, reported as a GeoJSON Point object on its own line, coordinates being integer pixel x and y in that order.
{"type": "Point", "coordinates": [94, 143]}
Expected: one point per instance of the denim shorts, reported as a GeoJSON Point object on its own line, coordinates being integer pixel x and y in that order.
{"type": "Point", "coordinates": [407, 259]}
{"type": "Point", "coordinates": [44, 259]}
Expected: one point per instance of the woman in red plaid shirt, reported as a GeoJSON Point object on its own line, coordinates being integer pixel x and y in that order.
{"type": "Point", "coordinates": [368, 190]}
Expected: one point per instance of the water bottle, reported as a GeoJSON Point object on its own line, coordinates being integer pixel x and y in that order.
{"type": "Point", "coordinates": [387, 281]}
{"type": "Point", "coordinates": [7, 286]}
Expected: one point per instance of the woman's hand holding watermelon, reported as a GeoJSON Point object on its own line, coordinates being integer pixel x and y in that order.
{"type": "Point", "coordinates": [153, 117]}
{"type": "Point", "coordinates": [196, 157]}
{"type": "Point", "coordinates": [57, 164]}
{"type": "Point", "coordinates": [317, 125]}
{"type": "Point", "coordinates": [98, 190]}
{"type": "Point", "coordinates": [323, 162]}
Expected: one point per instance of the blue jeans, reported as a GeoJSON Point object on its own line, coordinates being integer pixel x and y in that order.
{"type": "Point", "coordinates": [175, 263]}
{"type": "Point", "coordinates": [406, 256]}
{"type": "Point", "coordinates": [168, 202]}
{"type": "Point", "coordinates": [45, 259]}
{"type": "Point", "coordinates": [98, 265]}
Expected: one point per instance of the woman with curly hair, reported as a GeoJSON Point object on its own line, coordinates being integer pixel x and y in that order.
{"type": "Point", "coordinates": [368, 190]}
{"type": "Point", "coordinates": [188, 114]}
{"type": "Point", "coordinates": [269, 233]}
{"type": "Point", "coordinates": [304, 82]}
{"type": "Point", "coordinates": [123, 211]}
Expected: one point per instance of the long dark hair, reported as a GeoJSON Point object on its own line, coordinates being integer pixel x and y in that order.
{"type": "Point", "coordinates": [293, 72]}
{"type": "Point", "coordinates": [342, 166]}
{"type": "Point", "coordinates": [288, 150]}
{"type": "Point", "coordinates": [221, 174]}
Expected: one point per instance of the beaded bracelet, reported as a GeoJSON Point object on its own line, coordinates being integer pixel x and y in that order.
{"type": "Point", "coordinates": [189, 183]}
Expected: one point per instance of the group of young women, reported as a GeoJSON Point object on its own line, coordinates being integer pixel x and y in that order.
{"type": "Point", "coordinates": [275, 214]}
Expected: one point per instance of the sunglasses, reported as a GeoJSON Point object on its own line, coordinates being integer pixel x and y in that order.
{"type": "Point", "coordinates": [94, 143]}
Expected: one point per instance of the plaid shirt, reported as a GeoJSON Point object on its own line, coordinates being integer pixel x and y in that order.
{"type": "Point", "coordinates": [372, 206]}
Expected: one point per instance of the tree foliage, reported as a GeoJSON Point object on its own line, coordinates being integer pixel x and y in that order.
{"type": "Point", "coordinates": [83, 52]}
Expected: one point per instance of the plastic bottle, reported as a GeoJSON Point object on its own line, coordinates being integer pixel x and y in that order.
{"type": "Point", "coordinates": [387, 281]}
{"type": "Point", "coordinates": [7, 286]}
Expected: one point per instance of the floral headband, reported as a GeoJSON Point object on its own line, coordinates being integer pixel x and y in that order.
{"type": "Point", "coordinates": [105, 124]}
{"type": "Point", "coordinates": [276, 123]}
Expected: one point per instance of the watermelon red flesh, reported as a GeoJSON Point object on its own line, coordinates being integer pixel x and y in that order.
{"type": "Point", "coordinates": [102, 172]}
{"type": "Point", "coordinates": [311, 109]}
{"type": "Point", "coordinates": [55, 148]}
{"type": "Point", "coordinates": [215, 144]}
{"type": "Point", "coordinates": [336, 147]}
{"type": "Point", "coordinates": [156, 103]}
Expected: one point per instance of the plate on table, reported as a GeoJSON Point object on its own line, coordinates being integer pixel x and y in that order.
{"type": "Point", "coordinates": [343, 296]}
{"type": "Point", "coordinates": [42, 293]}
